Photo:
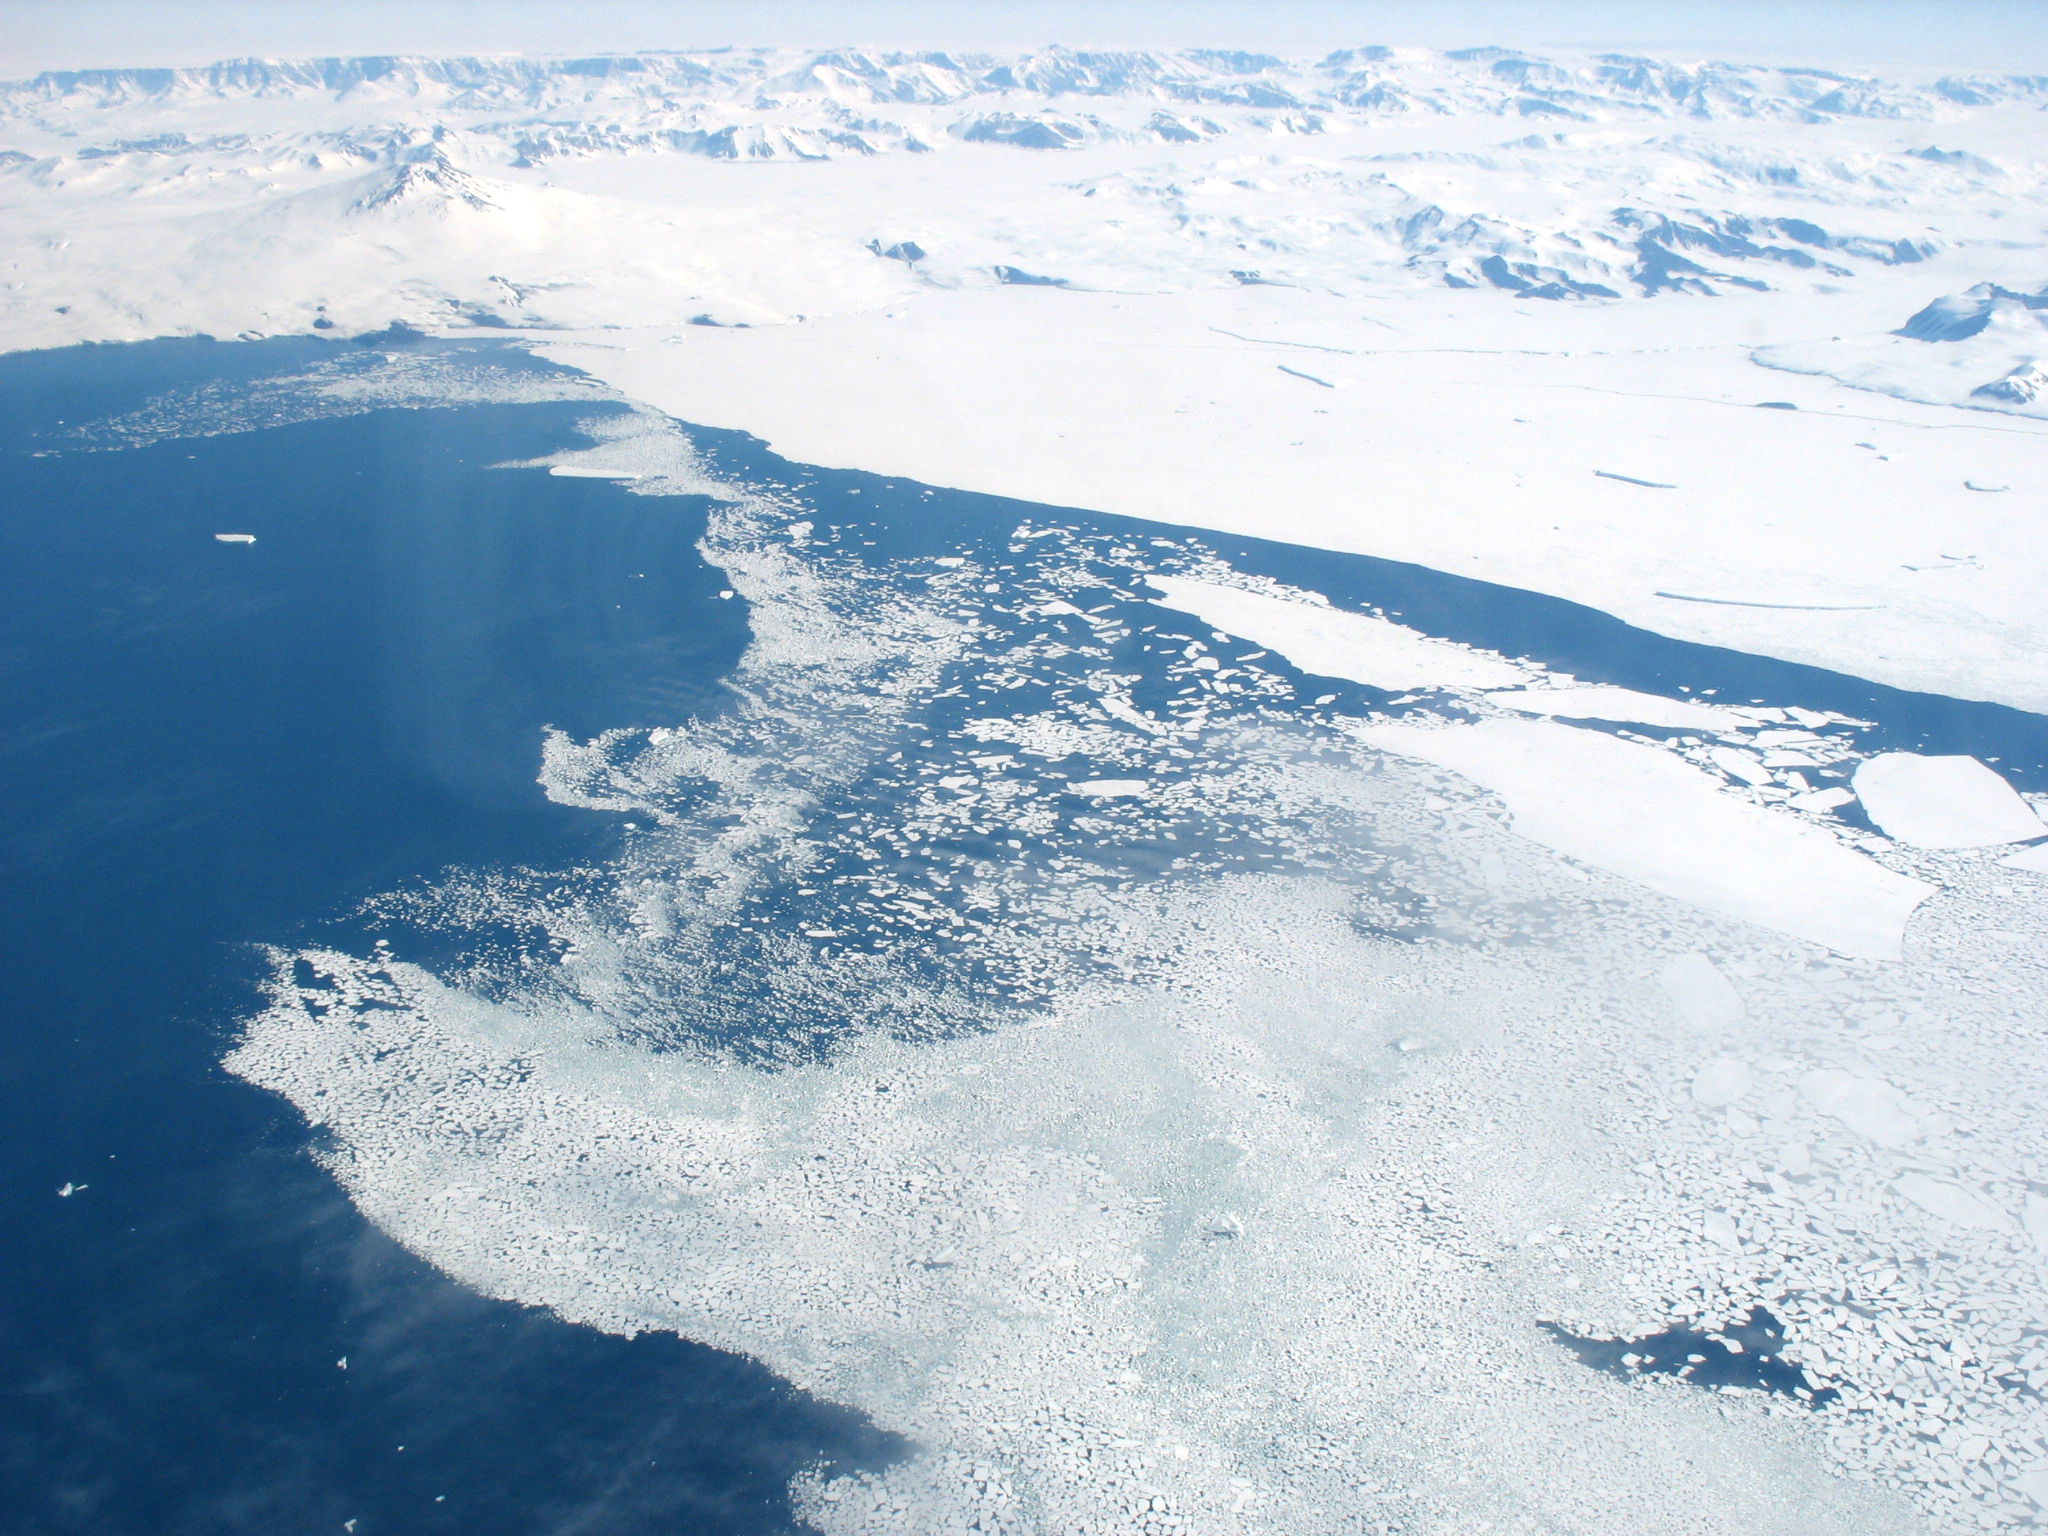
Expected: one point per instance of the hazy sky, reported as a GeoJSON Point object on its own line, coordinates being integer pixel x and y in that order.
{"type": "Point", "coordinates": [1900, 35]}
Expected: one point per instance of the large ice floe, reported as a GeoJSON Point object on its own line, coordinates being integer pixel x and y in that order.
{"type": "Point", "coordinates": [1178, 1104]}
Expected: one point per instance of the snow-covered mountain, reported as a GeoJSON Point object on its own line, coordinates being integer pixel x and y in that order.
{"type": "Point", "coordinates": [1641, 178]}
{"type": "Point", "coordinates": [1362, 80]}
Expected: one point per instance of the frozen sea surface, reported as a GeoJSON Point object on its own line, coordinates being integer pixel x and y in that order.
{"type": "Point", "coordinates": [1077, 1067]}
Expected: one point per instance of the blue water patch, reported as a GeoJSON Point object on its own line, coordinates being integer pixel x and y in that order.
{"type": "Point", "coordinates": [1743, 1356]}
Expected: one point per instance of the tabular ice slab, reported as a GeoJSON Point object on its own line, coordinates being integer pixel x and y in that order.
{"type": "Point", "coordinates": [1652, 818]}
{"type": "Point", "coordinates": [1943, 802]}
{"type": "Point", "coordinates": [1330, 642]}
{"type": "Point", "coordinates": [2033, 859]}
{"type": "Point", "coordinates": [1700, 992]}
{"type": "Point", "coordinates": [1623, 705]}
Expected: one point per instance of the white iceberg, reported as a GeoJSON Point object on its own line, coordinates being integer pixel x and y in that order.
{"type": "Point", "coordinates": [1622, 705]}
{"type": "Point", "coordinates": [1107, 789]}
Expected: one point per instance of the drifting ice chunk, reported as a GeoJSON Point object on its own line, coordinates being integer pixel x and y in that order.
{"type": "Point", "coordinates": [1869, 1106]}
{"type": "Point", "coordinates": [592, 472]}
{"type": "Point", "coordinates": [1329, 642]}
{"type": "Point", "coordinates": [236, 538]}
{"type": "Point", "coordinates": [1952, 1203]}
{"type": "Point", "coordinates": [1107, 789]}
{"type": "Point", "coordinates": [1698, 990]}
{"type": "Point", "coordinates": [1653, 818]}
{"type": "Point", "coordinates": [1821, 800]}
{"type": "Point", "coordinates": [1943, 802]}
{"type": "Point", "coordinates": [1740, 765]}
{"type": "Point", "coordinates": [2034, 1216]}
{"type": "Point", "coordinates": [1624, 705]}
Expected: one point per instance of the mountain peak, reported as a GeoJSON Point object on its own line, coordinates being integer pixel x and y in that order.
{"type": "Point", "coordinates": [431, 180]}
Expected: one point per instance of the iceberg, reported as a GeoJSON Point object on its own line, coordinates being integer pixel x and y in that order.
{"type": "Point", "coordinates": [1623, 705]}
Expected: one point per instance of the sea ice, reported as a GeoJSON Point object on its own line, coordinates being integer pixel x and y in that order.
{"type": "Point", "coordinates": [1821, 800]}
{"type": "Point", "coordinates": [1700, 992]}
{"type": "Point", "coordinates": [1107, 789]}
{"type": "Point", "coordinates": [1331, 642]}
{"type": "Point", "coordinates": [1618, 704]}
{"type": "Point", "coordinates": [2034, 860]}
{"type": "Point", "coordinates": [1740, 765]}
{"type": "Point", "coordinates": [1869, 1106]}
{"type": "Point", "coordinates": [1722, 1081]}
{"type": "Point", "coordinates": [1943, 802]}
{"type": "Point", "coordinates": [1650, 817]}
{"type": "Point", "coordinates": [1952, 1203]}
{"type": "Point", "coordinates": [1246, 1168]}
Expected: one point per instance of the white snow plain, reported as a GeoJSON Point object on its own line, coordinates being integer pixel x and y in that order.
{"type": "Point", "coordinates": [1234, 1209]}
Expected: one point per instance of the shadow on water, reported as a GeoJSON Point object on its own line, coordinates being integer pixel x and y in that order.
{"type": "Point", "coordinates": [213, 744]}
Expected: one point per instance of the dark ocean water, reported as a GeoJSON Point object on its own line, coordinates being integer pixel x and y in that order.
{"type": "Point", "coordinates": [209, 745]}
{"type": "Point", "coordinates": [213, 746]}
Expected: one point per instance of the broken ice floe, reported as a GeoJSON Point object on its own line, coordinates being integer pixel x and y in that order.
{"type": "Point", "coordinates": [1647, 816]}
{"type": "Point", "coordinates": [1619, 704]}
{"type": "Point", "coordinates": [2034, 859]}
{"type": "Point", "coordinates": [1325, 641]}
{"type": "Point", "coordinates": [1951, 1202]}
{"type": "Point", "coordinates": [1943, 802]}
{"type": "Point", "coordinates": [1702, 993]}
